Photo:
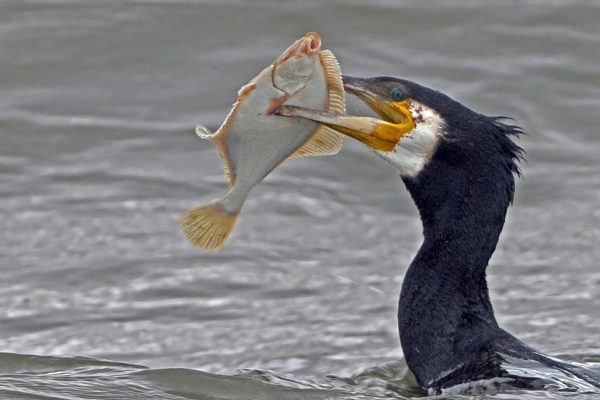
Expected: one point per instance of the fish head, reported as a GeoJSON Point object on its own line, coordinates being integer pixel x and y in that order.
{"type": "Point", "coordinates": [295, 67]}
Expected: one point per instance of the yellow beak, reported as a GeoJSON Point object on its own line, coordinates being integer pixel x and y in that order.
{"type": "Point", "coordinates": [395, 112]}
{"type": "Point", "coordinates": [382, 135]}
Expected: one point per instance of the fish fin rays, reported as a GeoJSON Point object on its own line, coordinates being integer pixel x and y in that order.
{"type": "Point", "coordinates": [336, 101]}
{"type": "Point", "coordinates": [217, 139]}
{"type": "Point", "coordinates": [204, 133]}
{"type": "Point", "coordinates": [208, 226]}
{"type": "Point", "coordinates": [326, 141]}
{"type": "Point", "coordinates": [227, 165]}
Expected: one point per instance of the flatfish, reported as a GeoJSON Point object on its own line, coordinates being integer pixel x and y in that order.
{"type": "Point", "coordinates": [252, 140]}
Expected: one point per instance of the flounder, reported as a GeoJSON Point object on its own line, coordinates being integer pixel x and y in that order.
{"type": "Point", "coordinates": [252, 140]}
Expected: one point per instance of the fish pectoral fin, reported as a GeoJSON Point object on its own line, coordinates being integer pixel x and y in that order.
{"type": "Point", "coordinates": [324, 142]}
{"type": "Point", "coordinates": [204, 132]}
{"type": "Point", "coordinates": [208, 227]}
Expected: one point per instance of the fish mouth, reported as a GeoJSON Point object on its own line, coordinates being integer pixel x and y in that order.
{"type": "Point", "coordinates": [311, 43]}
{"type": "Point", "coordinates": [308, 44]}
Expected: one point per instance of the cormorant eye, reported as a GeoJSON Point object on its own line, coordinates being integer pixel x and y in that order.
{"type": "Point", "coordinates": [398, 94]}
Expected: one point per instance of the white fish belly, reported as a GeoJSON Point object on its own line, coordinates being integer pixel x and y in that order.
{"type": "Point", "coordinates": [257, 143]}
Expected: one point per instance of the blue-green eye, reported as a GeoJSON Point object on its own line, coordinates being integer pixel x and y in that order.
{"type": "Point", "coordinates": [398, 94]}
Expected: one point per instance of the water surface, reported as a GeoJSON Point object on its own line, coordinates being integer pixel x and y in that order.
{"type": "Point", "coordinates": [98, 101]}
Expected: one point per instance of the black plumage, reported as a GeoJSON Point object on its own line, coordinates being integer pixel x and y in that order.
{"type": "Point", "coordinates": [460, 169]}
{"type": "Point", "coordinates": [448, 331]}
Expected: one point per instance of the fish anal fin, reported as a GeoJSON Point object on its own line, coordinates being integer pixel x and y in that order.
{"type": "Point", "coordinates": [324, 142]}
{"type": "Point", "coordinates": [219, 138]}
{"type": "Point", "coordinates": [208, 227]}
{"type": "Point", "coordinates": [226, 161]}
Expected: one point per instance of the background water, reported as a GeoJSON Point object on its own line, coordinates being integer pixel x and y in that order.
{"type": "Point", "coordinates": [98, 157]}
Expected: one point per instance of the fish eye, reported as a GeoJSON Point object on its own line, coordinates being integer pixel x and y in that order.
{"type": "Point", "coordinates": [398, 94]}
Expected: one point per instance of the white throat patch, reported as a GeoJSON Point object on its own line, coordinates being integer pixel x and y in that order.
{"type": "Point", "coordinates": [415, 149]}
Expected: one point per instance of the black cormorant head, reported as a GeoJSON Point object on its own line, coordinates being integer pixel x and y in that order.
{"type": "Point", "coordinates": [450, 157]}
{"type": "Point", "coordinates": [431, 127]}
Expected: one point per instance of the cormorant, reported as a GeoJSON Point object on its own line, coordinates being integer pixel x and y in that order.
{"type": "Point", "coordinates": [459, 167]}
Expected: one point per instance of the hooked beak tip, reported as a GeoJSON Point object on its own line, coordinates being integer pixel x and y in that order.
{"type": "Point", "coordinates": [352, 83]}
{"type": "Point", "coordinates": [368, 91]}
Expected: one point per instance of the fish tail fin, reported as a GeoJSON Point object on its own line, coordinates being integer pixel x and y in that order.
{"type": "Point", "coordinates": [208, 226]}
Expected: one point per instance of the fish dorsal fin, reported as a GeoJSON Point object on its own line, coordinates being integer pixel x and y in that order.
{"type": "Point", "coordinates": [336, 98]}
{"type": "Point", "coordinates": [326, 141]}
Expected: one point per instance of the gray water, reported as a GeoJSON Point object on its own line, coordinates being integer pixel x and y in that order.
{"type": "Point", "coordinates": [98, 158]}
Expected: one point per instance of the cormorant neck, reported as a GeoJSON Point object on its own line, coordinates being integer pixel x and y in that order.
{"type": "Point", "coordinates": [445, 316]}
{"type": "Point", "coordinates": [461, 227]}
